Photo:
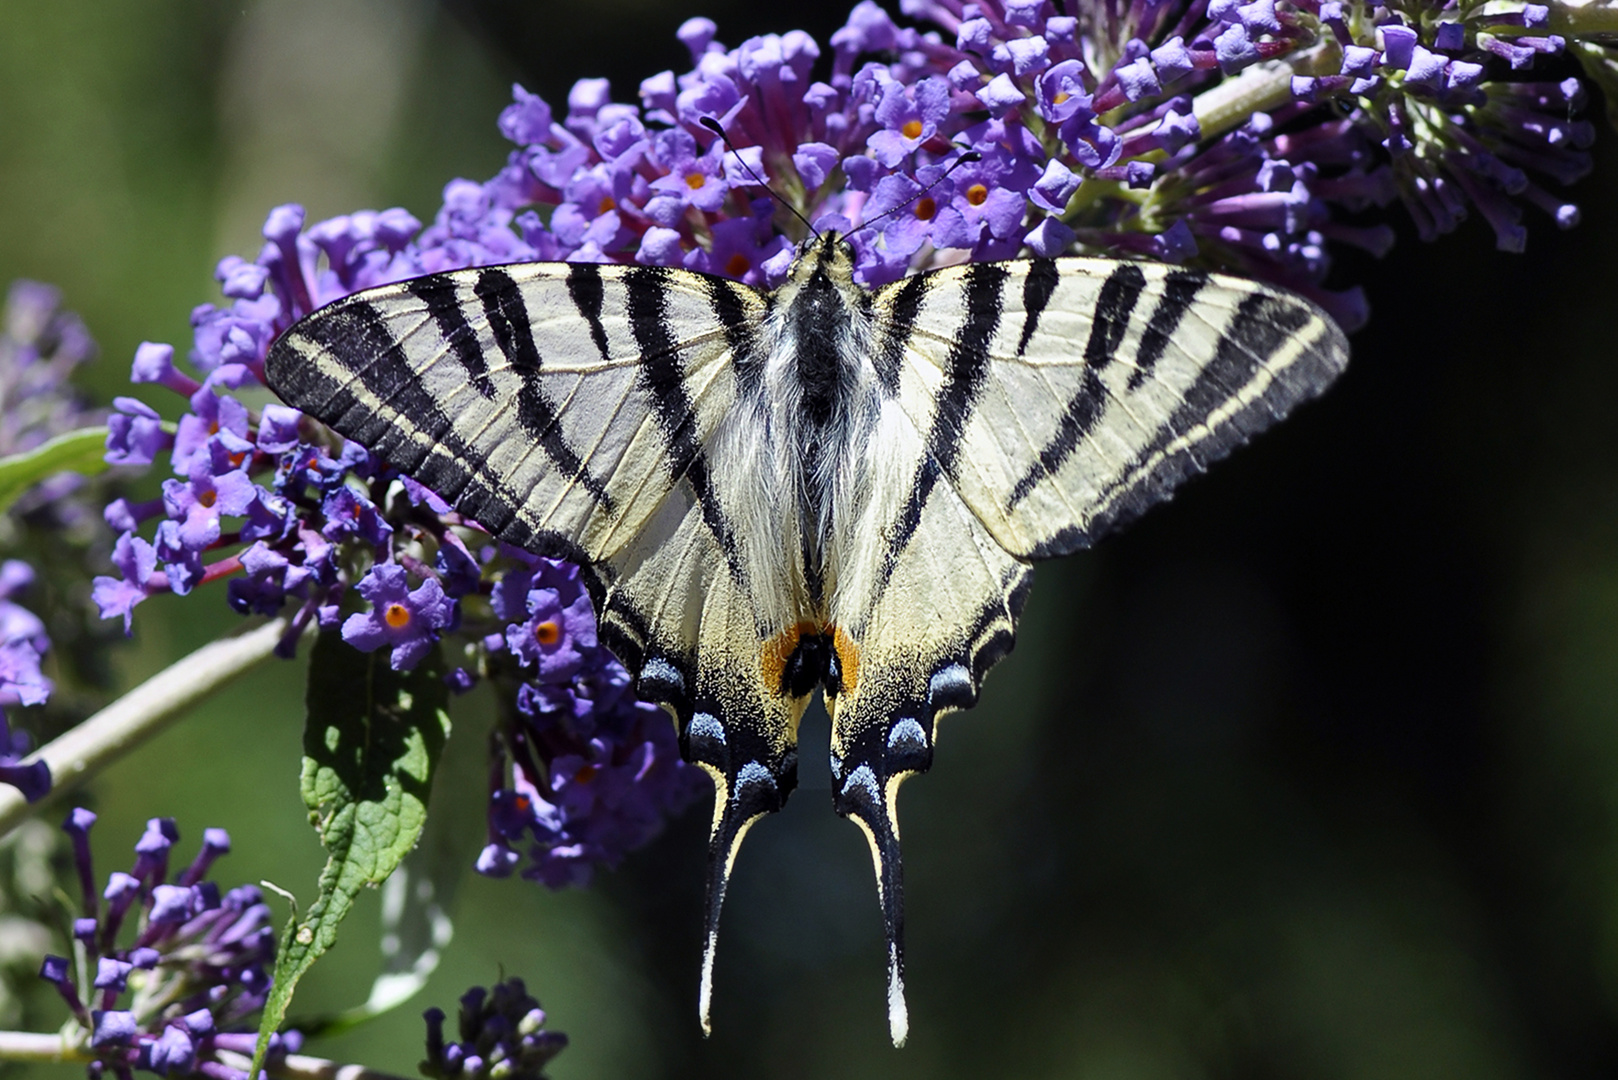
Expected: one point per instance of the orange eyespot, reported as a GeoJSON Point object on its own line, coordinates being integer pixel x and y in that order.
{"type": "Point", "coordinates": [208, 498]}
{"type": "Point", "coordinates": [586, 774]}
{"type": "Point", "coordinates": [607, 203]}
{"type": "Point", "coordinates": [976, 194]}
{"type": "Point", "coordinates": [695, 180]}
{"type": "Point", "coordinates": [926, 208]}
{"type": "Point", "coordinates": [396, 616]}
{"type": "Point", "coordinates": [737, 265]}
{"type": "Point", "coordinates": [1061, 96]}
{"type": "Point", "coordinates": [912, 129]}
{"type": "Point", "coordinates": [547, 633]}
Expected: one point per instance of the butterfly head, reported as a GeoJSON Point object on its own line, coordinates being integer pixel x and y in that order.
{"type": "Point", "coordinates": [828, 254]}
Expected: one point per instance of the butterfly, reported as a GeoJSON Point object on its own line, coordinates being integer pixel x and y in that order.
{"type": "Point", "coordinates": [816, 487]}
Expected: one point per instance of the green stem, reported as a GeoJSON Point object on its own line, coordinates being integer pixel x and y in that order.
{"type": "Point", "coordinates": [1233, 101]}
{"type": "Point", "coordinates": [85, 750]}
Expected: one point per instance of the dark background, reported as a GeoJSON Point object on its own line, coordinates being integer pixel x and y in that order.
{"type": "Point", "coordinates": [1313, 773]}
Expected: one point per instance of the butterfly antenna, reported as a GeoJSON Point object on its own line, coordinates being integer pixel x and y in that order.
{"type": "Point", "coordinates": [965, 159]}
{"type": "Point", "coordinates": [714, 126]}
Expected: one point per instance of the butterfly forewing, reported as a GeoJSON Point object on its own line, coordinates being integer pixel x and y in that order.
{"type": "Point", "coordinates": [1103, 385]}
{"type": "Point", "coordinates": [536, 397]}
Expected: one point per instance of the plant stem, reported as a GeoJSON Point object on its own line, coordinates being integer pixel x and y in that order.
{"type": "Point", "coordinates": [303, 1067]}
{"type": "Point", "coordinates": [52, 1048]}
{"type": "Point", "coordinates": [1232, 101]}
{"type": "Point", "coordinates": [40, 1046]}
{"type": "Point", "coordinates": [85, 750]}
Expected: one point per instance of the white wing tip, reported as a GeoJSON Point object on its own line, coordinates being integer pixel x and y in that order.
{"type": "Point", "coordinates": [705, 992]}
{"type": "Point", "coordinates": [898, 1014]}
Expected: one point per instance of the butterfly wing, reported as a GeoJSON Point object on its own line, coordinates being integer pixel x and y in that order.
{"type": "Point", "coordinates": [1101, 385]}
{"type": "Point", "coordinates": [572, 410]}
{"type": "Point", "coordinates": [1039, 404]}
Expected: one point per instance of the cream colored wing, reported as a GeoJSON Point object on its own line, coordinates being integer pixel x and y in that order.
{"type": "Point", "coordinates": [554, 403]}
{"type": "Point", "coordinates": [1064, 397]}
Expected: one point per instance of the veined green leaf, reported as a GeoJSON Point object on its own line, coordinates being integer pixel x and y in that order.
{"type": "Point", "coordinates": [370, 745]}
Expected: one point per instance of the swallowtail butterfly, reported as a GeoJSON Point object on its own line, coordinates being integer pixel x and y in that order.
{"type": "Point", "coordinates": [815, 487]}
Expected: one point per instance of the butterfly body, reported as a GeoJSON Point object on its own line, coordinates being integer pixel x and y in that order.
{"type": "Point", "coordinates": [819, 487]}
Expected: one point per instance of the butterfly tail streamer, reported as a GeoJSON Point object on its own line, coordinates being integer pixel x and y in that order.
{"type": "Point", "coordinates": [870, 804]}
{"type": "Point", "coordinates": [740, 799]}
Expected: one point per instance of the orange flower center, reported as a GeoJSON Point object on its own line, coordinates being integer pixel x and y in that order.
{"type": "Point", "coordinates": [695, 180]}
{"type": "Point", "coordinates": [208, 498]}
{"type": "Point", "coordinates": [586, 774]}
{"type": "Point", "coordinates": [912, 129]}
{"type": "Point", "coordinates": [396, 616]}
{"type": "Point", "coordinates": [738, 265]}
{"type": "Point", "coordinates": [1061, 96]}
{"type": "Point", "coordinates": [607, 203]}
{"type": "Point", "coordinates": [926, 208]}
{"type": "Point", "coordinates": [976, 194]}
{"type": "Point", "coordinates": [547, 633]}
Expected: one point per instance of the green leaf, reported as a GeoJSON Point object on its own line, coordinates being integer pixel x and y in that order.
{"type": "Point", "coordinates": [370, 745]}
{"type": "Point", "coordinates": [417, 899]}
{"type": "Point", "coordinates": [82, 451]}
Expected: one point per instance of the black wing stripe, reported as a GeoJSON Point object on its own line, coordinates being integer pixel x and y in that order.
{"type": "Point", "coordinates": [1037, 289]}
{"type": "Point", "coordinates": [1114, 308]}
{"type": "Point", "coordinates": [584, 286]}
{"type": "Point", "coordinates": [508, 319]}
{"type": "Point", "coordinates": [393, 412]}
{"type": "Point", "coordinates": [439, 293]}
{"type": "Point", "coordinates": [727, 299]}
{"type": "Point", "coordinates": [646, 291]}
{"type": "Point", "coordinates": [965, 370]}
{"type": "Point", "coordinates": [1262, 325]}
{"type": "Point", "coordinates": [1180, 288]}
{"type": "Point", "coordinates": [901, 323]}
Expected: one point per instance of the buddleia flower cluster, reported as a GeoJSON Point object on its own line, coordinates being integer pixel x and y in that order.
{"type": "Point", "coordinates": [167, 976]}
{"type": "Point", "coordinates": [1247, 137]}
{"type": "Point", "coordinates": [502, 1037]}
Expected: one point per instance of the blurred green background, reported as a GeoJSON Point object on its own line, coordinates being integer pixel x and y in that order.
{"type": "Point", "coordinates": [1314, 773]}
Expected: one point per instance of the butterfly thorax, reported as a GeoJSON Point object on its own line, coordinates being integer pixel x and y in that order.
{"type": "Point", "coordinates": [816, 402]}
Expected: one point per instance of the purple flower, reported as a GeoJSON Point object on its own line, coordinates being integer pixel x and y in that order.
{"type": "Point", "coordinates": [559, 630]}
{"type": "Point", "coordinates": [909, 117]}
{"type": "Point", "coordinates": [137, 561]}
{"type": "Point", "coordinates": [502, 1034]}
{"type": "Point", "coordinates": [32, 779]}
{"type": "Point", "coordinates": [406, 620]}
{"type": "Point", "coordinates": [135, 434]}
{"type": "Point", "coordinates": [41, 345]}
{"type": "Point", "coordinates": [203, 960]}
